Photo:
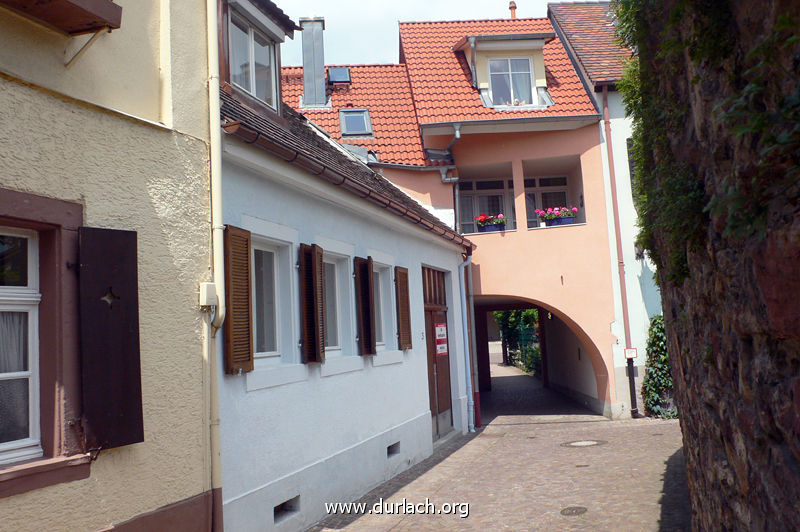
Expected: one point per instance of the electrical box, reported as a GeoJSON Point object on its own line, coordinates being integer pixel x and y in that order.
{"type": "Point", "coordinates": [208, 295]}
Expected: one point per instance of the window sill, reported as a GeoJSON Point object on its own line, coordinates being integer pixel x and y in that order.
{"type": "Point", "coordinates": [555, 226]}
{"type": "Point", "coordinates": [39, 473]}
{"type": "Point", "coordinates": [490, 232]}
{"type": "Point", "coordinates": [278, 375]}
{"type": "Point", "coordinates": [385, 358]}
{"type": "Point", "coordinates": [343, 364]}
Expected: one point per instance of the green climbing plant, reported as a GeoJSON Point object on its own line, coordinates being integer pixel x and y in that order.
{"type": "Point", "coordinates": [657, 384]}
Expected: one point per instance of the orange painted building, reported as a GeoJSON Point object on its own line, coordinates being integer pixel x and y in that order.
{"type": "Point", "coordinates": [491, 116]}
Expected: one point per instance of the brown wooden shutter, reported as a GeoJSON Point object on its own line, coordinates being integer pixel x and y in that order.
{"type": "Point", "coordinates": [238, 295]}
{"type": "Point", "coordinates": [365, 305]}
{"type": "Point", "coordinates": [109, 316]}
{"type": "Point", "coordinates": [403, 308]}
{"type": "Point", "coordinates": [312, 303]}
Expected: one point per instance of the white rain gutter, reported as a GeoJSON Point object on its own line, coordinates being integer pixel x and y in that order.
{"type": "Point", "coordinates": [218, 250]}
{"type": "Point", "coordinates": [465, 327]}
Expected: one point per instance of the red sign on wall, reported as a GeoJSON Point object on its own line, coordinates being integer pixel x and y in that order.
{"type": "Point", "coordinates": [441, 339]}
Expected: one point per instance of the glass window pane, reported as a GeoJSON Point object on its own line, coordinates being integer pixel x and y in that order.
{"type": "Point", "coordinates": [331, 323]}
{"type": "Point", "coordinates": [355, 123]}
{"type": "Point", "coordinates": [530, 207]}
{"type": "Point", "coordinates": [13, 260]}
{"type": "Point", "coordinates": [490, 205]}
{"type": "Point", "coordinates": [14, 410]}
{"type": "Point", "coordinates": [265, 304]}
{"type": "Point", "coordinates": [498, 66]}
{"type": "Point", "coordinates": [240, 54]}
{"type": "Point", "coordinates": [520, 65]}
{"type": "Point", "coordinates": [554, 199]}
{"type": "Point", "coordinates": [466, 214]}
{"type": "Point", "coordinates": [262, 50]}
{"type": "Point", "coordinates": [501, 89]}
{"type": "Point", "coordinates": [489, 185]}
{"type": "Point", "coordinates": [522, 88]}
{"type": "Point", "coordinates": [376, 291]}
{"type": "Point", "coordinates": [553, 182]}
{"type": "Point", "coordinates": [13, 342]}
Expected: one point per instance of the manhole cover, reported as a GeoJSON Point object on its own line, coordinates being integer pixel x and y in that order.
{"type": "Point", "coordinates": [582, 465]}
{"type": "Point", "coordinates": [658, 434]}
{"type": "Point", "coordinates": [583, 443]}
{"type": "Point", "coordinates": [573, 510]}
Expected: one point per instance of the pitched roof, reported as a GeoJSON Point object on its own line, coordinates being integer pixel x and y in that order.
{"type": "Point", "coordinates": [440, 81]}
{"type": "Point", "coordinates": [298, 142]}
{"type": "Point", "coordinates": [381, 89]}
{"type": "Point", "coordinates": [282, 19]}
{"type": "Point", "coordinates": [588, 29]}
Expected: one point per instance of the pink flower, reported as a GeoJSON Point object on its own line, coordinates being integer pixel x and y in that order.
{"type": "Point", "coordinates": [549, 210]}
{"type": "Point", "coordinates": [574, 209]}
{"type": "Point", "coordinates": [500, 216]}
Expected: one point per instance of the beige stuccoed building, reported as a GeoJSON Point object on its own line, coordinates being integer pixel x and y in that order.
{"type": "Point", "coordinates": [105, 237]}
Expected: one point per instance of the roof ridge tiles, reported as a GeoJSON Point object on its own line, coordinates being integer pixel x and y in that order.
{"type": "Point", "coordinates": [468, 21]}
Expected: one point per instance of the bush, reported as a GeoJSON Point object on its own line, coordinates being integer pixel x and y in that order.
{"type": "Point", "coordinates": [657, 384]}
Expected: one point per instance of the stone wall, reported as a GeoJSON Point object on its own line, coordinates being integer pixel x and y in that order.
{"type": "Point", "coordinates": [724, 73]}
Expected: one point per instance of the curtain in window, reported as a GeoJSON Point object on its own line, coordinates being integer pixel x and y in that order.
{"type": "Point", "coordinates": [521, 83]}
{"type": "Point", "coordinates": [13, 392]}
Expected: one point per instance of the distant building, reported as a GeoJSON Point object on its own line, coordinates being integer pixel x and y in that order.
{"type": "Point", "coordinates": [491, 117]}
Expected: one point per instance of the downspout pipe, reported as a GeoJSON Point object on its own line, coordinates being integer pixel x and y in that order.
{"type": "Point", "coordinates": [620, 260]}
{"type": "Point", "coordinates": [218, 259]}
{"type": "Point", "coordinates": [474, 344]}
{"type": "Point", "coordinates": [454, 181]}
{"type": "Point", "coordinates": [465, 328]}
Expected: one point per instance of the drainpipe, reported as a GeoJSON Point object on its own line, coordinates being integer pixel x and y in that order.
{"type": "Point", "coordinates": [474, 344]}
{"type": "Point", "coordinates": [465, 327]}
{"type": "Point", "coordinates": [454, 180]}
{"type": "Point", "coordinates": [218, 255]}
{"type": "Point", "coordinates": [620, 261]}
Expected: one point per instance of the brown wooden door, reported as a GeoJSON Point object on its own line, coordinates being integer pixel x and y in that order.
{"type": "Point", "coordinates": [437, 339]}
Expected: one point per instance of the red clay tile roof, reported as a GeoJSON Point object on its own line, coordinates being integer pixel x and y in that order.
{"type": "Point", "coordinates": [589, 30]}
{"type": "Point", "coordinates": [381, 89]}
{"type": "Point", "coordinates": [442, 89]}
{"type": "Point", "coordinates": [296, 141]}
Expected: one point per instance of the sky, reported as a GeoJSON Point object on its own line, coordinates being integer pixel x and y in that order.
{"type": "Point", "coordinates": [365, 31]}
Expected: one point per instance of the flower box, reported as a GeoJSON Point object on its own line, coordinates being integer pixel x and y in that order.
{"type": "Point", "coordinates": [491, 228]}
{"type": "Point", "coordinates": [565, 220]}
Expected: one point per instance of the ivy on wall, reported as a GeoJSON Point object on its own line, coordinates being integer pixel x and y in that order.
{"type": "Point", "coordinates": [657, 383]}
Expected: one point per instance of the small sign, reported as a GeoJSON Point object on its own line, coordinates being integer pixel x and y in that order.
{"type": "Point", "coordinates": [630, 353]}
{"type": "Point", "coordinates": [441, 339]}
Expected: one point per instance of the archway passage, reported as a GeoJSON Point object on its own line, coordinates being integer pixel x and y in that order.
{"type": "Point", "coordinates": [571, 364]}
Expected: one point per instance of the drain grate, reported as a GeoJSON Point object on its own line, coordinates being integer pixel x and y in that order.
{"type": "Point", "coordinates": [583, 443]}
{"type": "Point", "coordinates": [573, 510]}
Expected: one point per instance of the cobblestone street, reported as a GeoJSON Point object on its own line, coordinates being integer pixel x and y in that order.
{"type": "Point", "coordinates": [519, 474]}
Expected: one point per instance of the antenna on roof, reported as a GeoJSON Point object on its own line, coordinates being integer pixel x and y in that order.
{"type": "Point", "coordinates": [512, 6]}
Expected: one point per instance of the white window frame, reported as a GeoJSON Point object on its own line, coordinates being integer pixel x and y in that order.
{"type": "Point", "coordinates": [507, 193]}
{"type": "Point", "coordinates": [257, 244]}
{"type": "Point", "coordinates": [26, 299]}
{"type": "Point", "coordinates": [534, 90]}
{"type": "Point", "coordinates": [337, 263]}
{"type": "Point", "coordinates": [537, 192]}
{"type": "Point", "coordinates": [251, 31]}
{"type": "Point", "coordinates": [386, 304]}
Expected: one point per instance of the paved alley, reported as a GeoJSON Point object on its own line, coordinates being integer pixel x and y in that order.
{"type": "Point", "coordinates": [520, 473]}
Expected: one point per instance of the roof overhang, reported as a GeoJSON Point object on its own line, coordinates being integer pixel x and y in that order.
{"type": "Point", "coordinates": [504, 41]}
{"type": "Point", "coordinates": [511, 125]}
{"type": "Point", "coordinates": [71, 17]}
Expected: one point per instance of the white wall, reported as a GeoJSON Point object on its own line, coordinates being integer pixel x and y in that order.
{"type": "Point", "coordinates": [643, 297]}
{"type": "Point", "coordinates": [569, 367]}
{"type": "Point", "coordinates": [320, 431]}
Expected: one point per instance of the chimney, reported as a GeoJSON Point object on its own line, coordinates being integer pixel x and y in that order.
{"type": "Point", "coordinates": [513, 7]}
{"type": "Point", "coordinates": [313, 62]}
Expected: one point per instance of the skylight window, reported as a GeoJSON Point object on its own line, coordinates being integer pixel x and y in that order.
{"type": "Point", "coordinates": [338, 75]}
{"type": "Point", "coordinates": [355, 122]}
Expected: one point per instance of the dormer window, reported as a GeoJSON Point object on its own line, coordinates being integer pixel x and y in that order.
{"type": "Point", "coordinates": [355, 122]}
{"type": "Point", "coordinates": [252, 60]}
{"type": "Point", "coordinates": [510, 81]}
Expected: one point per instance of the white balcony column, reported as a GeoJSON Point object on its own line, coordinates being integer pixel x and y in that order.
{"type": "Point", "coordinates": [519, 194]}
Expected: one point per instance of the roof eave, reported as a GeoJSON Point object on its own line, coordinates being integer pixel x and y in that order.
{"type": "Point", "coordinates": [508, 125]}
